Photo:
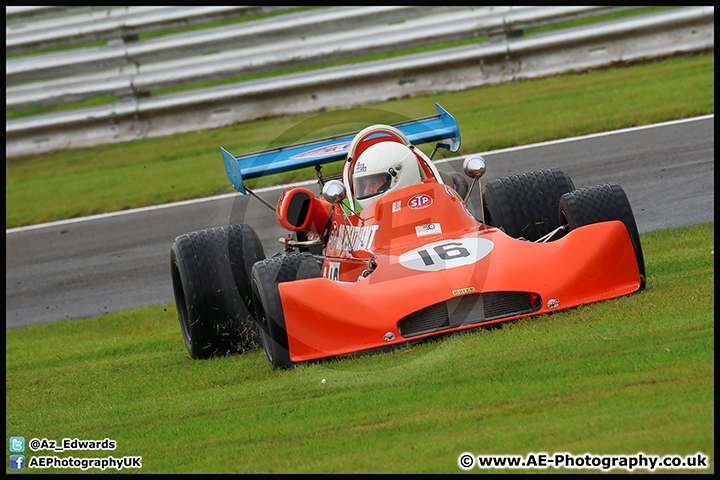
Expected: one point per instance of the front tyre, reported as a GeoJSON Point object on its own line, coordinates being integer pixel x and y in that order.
{"type": "Point", "coordinates": [456, 181]}
{"type": "Point", "coordinates": [265, 278]}
{"type": "Point", "coordinates": [602, 203]}
{"type": "Point", "coordinates": [526, 204]}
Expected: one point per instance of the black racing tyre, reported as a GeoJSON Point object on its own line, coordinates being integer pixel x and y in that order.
{"type": "Point", "coordinates": [265, 277]}
{"type": "Point", "coordinates": [602, 203]}
{"type": "Point", "coordinates": [245, 250]}
{"type": "Point", "coordinates": [526, 204]}
{"type": "Point", "coordinates": [456, 181]}
{"type": "Point", "coordinates": [210, 272]}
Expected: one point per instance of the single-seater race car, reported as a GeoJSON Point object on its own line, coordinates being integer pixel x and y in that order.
{"type": "Point", "coordinates": [390, 254]}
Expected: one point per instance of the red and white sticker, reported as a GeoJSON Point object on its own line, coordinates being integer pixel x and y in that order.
{"type": "Point", "coordinates": [419, 201]}
{"type": "Point", "coordinates": [323, 151]}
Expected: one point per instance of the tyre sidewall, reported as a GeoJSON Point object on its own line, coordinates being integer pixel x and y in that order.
{"type": "Point", "coordinates": [198, 333]}
{"type": "Point", "coordinates": [266, 276]}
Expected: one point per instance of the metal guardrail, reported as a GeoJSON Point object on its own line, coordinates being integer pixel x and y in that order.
{"type": "Point", "coordinates": [139, 79]}
{"type": "Point", "coordinates": [131, 55]}
{"type": "Point", "coordinates": [660, 34]}
{"type": "Point", "coordinates": [32, 28]}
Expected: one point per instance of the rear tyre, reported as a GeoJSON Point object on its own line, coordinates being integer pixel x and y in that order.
{"type": "Point", "coordinates": [602, 203]}
{"type": "Point", "coordinates": [245, 249]}
{"type": "Point", "coordinates": [210, 275]}
{"type": "Point", "coordinates": [456, 181]}
{"type": "Point", "coordinates": [265, 278]}
{"type": "Point", "coordinates": [526, 205]}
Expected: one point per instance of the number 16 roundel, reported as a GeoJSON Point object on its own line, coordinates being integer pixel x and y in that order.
{"type": "Point", "coordinates": [446, 254]}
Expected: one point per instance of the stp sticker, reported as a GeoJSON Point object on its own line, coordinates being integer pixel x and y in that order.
{"type": "Point", "coordinates": [420, 201]}
{"type": "Point", "coordinates": [446, 254]}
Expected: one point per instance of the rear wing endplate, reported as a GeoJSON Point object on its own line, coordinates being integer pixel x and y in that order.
{"type": "Point", "coordinates": [440, 128]}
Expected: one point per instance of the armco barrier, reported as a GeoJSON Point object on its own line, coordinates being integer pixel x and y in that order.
{"type": "Point", "coordinates": [125, 57]}
{"type": "Point", "coordinates": [32, 28]}
{"type": "Point", "coordinates": [136, 78]}
{"type": "Point", "coordinates": [637, 38]}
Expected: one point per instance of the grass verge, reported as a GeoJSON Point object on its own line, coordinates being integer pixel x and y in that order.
{"type": "Point", "coordinates": [634, 374]}
{"type": "Point", "coordinates": [122, 176]}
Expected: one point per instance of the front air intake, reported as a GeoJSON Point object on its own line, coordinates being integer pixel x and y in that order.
{"type": "Point", "coordinates": [472, 309]}
{"type": "Point", "coordinates": [507, 304]}
{"type": "Point", "coordinates": [430, 319]}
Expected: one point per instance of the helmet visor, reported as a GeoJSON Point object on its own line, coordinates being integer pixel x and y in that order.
{"type": "Point", "coordinates": [371, 185]}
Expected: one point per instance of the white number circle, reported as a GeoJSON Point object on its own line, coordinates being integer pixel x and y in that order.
{"type": "Point", "coordinates": [446, 254]}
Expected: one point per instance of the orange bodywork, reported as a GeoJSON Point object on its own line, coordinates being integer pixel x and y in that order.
{"type": "Point", "coordinates": [431, 253]}
{"type": "Point", "coordinates": [318, 211]}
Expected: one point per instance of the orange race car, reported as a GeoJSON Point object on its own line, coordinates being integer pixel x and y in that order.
{"type": "Point", "coordinates": [390, 254]}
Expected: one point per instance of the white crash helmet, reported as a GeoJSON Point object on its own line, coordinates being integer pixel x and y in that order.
{"type": "Point", "coordinates": [382, 168]}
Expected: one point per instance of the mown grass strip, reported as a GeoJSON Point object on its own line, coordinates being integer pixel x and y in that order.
{"type": "Point", "coordinates": [634, 374]}
{"type": "Point", "coordinates": [122, 176]}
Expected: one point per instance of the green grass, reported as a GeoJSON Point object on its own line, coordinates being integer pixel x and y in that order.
{"type": "Point", "coordinates": [629, 375]}
{"type": "Point", "coordinates": [184, 166]}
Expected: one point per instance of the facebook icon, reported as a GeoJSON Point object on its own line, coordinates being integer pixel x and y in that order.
{"type": "Point", "coordinates": [17, 462]}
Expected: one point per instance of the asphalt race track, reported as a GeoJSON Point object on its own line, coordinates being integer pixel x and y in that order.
{"type": "Point", "coordinates": [87, 267]}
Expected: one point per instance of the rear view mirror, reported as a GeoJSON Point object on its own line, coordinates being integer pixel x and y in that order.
{"type": "Point", "coordinates": [474, 166]}
{"type": "Point", "coordinates": [334, 191]}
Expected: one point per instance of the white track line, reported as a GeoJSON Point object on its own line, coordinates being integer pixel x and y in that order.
{"type": "Point", "coordinates": [310, 182]}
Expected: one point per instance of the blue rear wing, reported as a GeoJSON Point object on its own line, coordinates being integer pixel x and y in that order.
{"type": "Point", "coordinates": [440, 128]}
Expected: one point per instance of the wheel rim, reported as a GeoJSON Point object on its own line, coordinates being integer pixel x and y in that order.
{"type": "Point", "coordinates": [263, 326]}
{"type": "Point", "coordinates": [181, 305]}
{"type": "Point", "coordinates": [185, 325]}
{"type": "Point", "coordinates": [266, 341]}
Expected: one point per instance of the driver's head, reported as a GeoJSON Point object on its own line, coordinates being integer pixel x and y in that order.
{"type": "Point", "coordinates": [382, 168]}
{"type": "Point", "coordinates": [373, 184]}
